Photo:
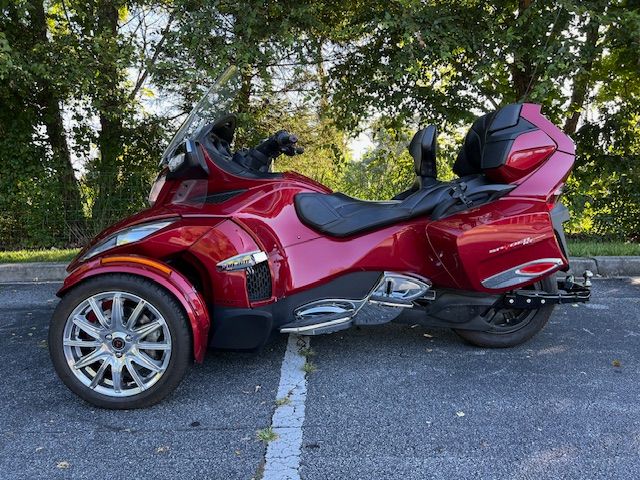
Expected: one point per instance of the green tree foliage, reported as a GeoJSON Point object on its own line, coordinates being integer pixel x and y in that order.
{"type": "Point", "coordinates": [605, 189]}
{"type": "Point", "coordinates": [447, 61]}
{"type": "Point", "coordinates": [40, 197]}
{"type": "Point", "coordinates": [90, 91]}
{"type": "Point", "coordinates": [119, 141]}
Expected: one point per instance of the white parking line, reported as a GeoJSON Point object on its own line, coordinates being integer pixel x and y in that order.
{"type": "Point", "coordinates": [282, 459]}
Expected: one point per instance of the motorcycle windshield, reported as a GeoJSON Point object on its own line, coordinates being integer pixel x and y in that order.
{"type": "Point", "coordinates": [215, 103]}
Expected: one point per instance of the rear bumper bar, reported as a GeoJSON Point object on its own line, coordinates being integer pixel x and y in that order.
{"type": "Point", "coordinates": [568, 292]}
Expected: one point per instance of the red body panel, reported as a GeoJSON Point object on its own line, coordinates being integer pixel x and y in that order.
{"type": "Point", "coordinates": [532, 113]}
{"type": "Point", "coordinates": [459, 251]}
{"type": "Point", "coordinates": [543, 183]}
{"type": "Point", "coordinates": [226, 240]}
{"type": "Point", "coordinates": [488, 240]}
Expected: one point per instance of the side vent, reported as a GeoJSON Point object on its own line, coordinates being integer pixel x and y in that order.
{"type": "Point", "coordinates": [259, 282]}
{"type": "Point", "coordinates": [221, 197]}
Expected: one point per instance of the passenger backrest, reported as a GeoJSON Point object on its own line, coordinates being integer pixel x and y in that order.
{"type": "Point", "coordinates": [423, 148]}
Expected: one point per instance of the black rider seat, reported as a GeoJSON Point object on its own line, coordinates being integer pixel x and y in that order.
{"type": "Point", "coordinates": [339, 215]}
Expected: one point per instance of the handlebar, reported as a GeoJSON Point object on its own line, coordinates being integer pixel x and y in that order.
{"type": "Point", "coordinates": [280, 142]}
{"type": "Point", "coordinates": [260, 157]}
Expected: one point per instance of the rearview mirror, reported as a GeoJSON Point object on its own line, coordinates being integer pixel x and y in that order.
{"type": "Point", "coordinates": [187, 161]}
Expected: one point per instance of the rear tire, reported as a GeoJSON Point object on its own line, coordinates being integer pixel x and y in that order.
{"type": "Point", "coordinates": [535, 322]}
{"type": "Point", "coordinates": [120, 341]}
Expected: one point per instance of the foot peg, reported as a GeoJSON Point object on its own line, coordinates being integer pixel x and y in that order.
{"type": "Point", "coordinates": [323, 316]}
{"type": "Point", "coordinates": [330, 315]}
{"type": "Point", "coordinates": [387, 301]}
{"type": "Point", "coordinates": [396, 290]}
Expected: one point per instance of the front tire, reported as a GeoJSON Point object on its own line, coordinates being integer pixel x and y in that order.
{"type": "Point", "coordinates": [120, 341]}
{"type": "Point", "coordinates": [508, 333]}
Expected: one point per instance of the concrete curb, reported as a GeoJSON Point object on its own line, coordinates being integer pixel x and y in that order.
{"type": "Point", "coordinates": [55, 272]}
{"type": "Point", "coordinates": [32, 272]}
{"type": "Point", "coordinates": [577, 266]}
{"type": "Point", "coordinates": [618, 266]}
{"type": "Point", "coordinates": [606, 266]}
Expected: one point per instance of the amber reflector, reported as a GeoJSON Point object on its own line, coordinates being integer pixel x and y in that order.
{"type": "Point", "coordinates": [142, 261]}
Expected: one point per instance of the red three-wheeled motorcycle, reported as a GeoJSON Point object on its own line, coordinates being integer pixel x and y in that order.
{"type": "Point", "coordinates": [229, 252]}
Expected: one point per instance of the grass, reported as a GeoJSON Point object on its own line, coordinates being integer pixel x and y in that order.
{"type": "Point", "coordinates": [309, 367]}
{"type": "Point", "coordinates": [283, 401]}
{"type": "Point", "coordinates": [577, 248]}
{"type": "Point", "coordinates": [307, 352]}
{"type": "Point", "coordinates": [23, 256]}
{"type": "Point", "coordinates": [592, 248]}
{"type": "Point", "coordinates": [266, 435]}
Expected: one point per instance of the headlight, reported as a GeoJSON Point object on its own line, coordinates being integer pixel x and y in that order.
{"type": "Point", "coordinates": [128, 235]}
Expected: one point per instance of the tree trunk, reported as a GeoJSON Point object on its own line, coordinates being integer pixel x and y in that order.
{"type": "Point", "coordinates": [522, 68]}
{"type": "Point", "coordinates": [581, 82]}
{"type": "Point", "coordinates": [50, 102]}
{"type": "Point", "coordinates": [322, 79]}
{"type": "Point", "coordinates": [525, 69]}
{"type": "Point", "coordinates": [244, 95]}
{"type": "Point", "coordinates": [110, 103]}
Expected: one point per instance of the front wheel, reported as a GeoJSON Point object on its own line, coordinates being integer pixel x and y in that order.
{"type": "Point", "coordinates": [508, 327]}
{"type": "Point", "coordinates": [120, 341]}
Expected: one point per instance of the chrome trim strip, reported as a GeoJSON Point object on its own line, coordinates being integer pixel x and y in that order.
{"type": "Point", "coordinates": [337, 321]}
{"type": "Point", "coordinates": [339, 305]}
{"type": "Point", "coordinates": [242, 261]}
{"type": "Point", "coordinates": [391, 304]}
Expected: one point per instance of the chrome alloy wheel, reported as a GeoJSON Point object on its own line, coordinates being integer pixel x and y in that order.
{"type": "Point", "coordinates": [117, 344]}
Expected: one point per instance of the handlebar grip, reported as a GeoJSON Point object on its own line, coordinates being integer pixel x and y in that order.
{"type": "Point", "coordinates": [284, 138]}
{"type": "Point", "coordinates": [280, 142]}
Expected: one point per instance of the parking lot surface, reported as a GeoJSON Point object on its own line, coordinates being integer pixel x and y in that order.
{"type": "Point", "coordinates": [391, 401]}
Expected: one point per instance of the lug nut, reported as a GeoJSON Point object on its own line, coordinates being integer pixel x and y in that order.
{"type": "Point", "coordinates": [128, 338]}
{"type": "Point", "coordinates": [108, 337]}
{"type": "Point", "coordinates": [118, 354]}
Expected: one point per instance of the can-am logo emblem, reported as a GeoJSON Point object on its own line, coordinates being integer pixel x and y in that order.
{"type": "Point", "coordinates": [518, 243]}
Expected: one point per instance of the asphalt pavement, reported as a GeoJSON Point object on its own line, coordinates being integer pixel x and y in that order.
{"type": "Point", "coordinates": [391, 401]}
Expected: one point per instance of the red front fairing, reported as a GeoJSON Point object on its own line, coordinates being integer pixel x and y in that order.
{"type": "Point", "coordinates": [459, 251]}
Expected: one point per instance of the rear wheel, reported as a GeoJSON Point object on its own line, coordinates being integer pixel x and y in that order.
{"type": "Point", "coordinates": [508, 327]}
{"type": "Point", "coordinates": [120, 341]}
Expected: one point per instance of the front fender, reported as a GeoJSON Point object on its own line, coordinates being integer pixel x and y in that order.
{"type": "Point", "coordinates": [163, 275]}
